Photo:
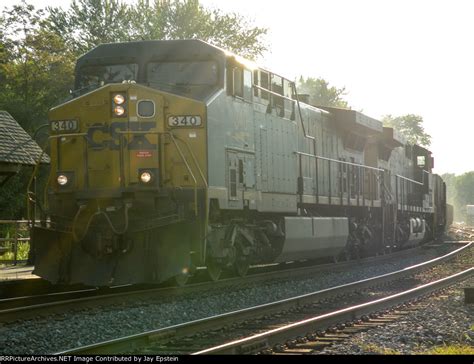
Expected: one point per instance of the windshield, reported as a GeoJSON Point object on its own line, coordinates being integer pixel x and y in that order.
{"type": "Point", "coordinates": [91, 77]}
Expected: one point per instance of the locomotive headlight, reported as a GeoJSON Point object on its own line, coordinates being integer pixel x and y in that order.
{"type": "Point", "coordinates": [62, 180]}
{"type": "Point", "coordinates": [119, 110]}
{"type": "Point", "coordinates": [146, 177]}
{"type": "Point", "coordinates": [119, 99]}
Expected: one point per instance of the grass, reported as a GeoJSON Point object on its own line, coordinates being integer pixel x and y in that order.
{"type": "Point", "coordinates": [7, 231]}
{"type": "Point", "coordinates": [456, 349]}
{"type": "Point", "coordinates": [451, 350]}
{"type": "Point", "coordinates": [23, 250]}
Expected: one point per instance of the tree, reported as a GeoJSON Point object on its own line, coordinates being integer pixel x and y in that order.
{"type": "Point", "coordinates": [88, 23]}
{"type": "Point", "coordinates": [410, 126]}
{"type": "Point", "coordinates": [450, 180]}
{"type": "Point", "coordinates": [464, 185]}
{"type": "Point", "coordinates": [460, 192]}
{"type": "Point", "coordinates": [3, 51]}
{"type": "Point", "coordinates": [91, 22]}
{"type": "Point", "coordinates": [321, 94]}
{"type": "Point", "coordinates": [36, 72]}
{"type": "Point", "coordinates": [36, 67]}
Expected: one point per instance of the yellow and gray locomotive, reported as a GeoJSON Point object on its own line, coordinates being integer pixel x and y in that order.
{"type": "Point", "coordinates": [174, 155]}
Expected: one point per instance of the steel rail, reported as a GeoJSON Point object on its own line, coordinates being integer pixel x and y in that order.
{"type": "Point", "coordinates": [28, 306]}
{"type": "Point", "coordinates": [13, 288]}
{"type": "Point", "coordinates": [282, 334]}
{"type": "Point", "coordinates": [139, 340]}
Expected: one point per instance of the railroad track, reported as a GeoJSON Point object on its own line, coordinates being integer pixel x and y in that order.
{"type": "Point", "coordinates": [462, 232]}
{"type": "Point", "coordinates": [80, 297]}
{"type": "Point", "coordinates": [183, 338]}
{"type": "Point", "coordinates": [312, 334]}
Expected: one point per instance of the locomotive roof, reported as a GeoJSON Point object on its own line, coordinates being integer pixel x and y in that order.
{"type": "Point", "coordinates": [144, 51]}
{"type": "Point", "coordinates": [352, 119]}
{"type": "Point", "coordinates": [16, 146]}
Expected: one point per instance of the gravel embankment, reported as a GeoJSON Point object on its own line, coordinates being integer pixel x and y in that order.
{"type": "Point", "coordinates": [445, 320]}
{"type": "Point", "coordinates": [65, 331]}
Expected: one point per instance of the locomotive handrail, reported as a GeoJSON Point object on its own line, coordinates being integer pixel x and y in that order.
{"type": "Point", "coordinates": [189, 170]}
{"type": "Point", "coordinates": [340, 162]}
{"type": "Point", "coordinates": [273, 93]}
{"type": "Point", "coordinates": [69, 135]}
{"type": "Point", "coordinates": [373, 173]}
{"type": "Point", "coordinates": [410, 180]}
{"type": "Point", "coordinates": [307, 136]}
{"type": "Point", "coordinates": [35, 171]}
{"type": "Point", "coordinates": [201, 174]}
{"type": "Point", "coordinates": [183, 158]}
{"type": "Point", "coordinates": [28, 189]}
{"type": "Point", "coordinates": [206, 214]}
{"type": "Point", "coordinates": [360, 165]}
{"type": "Point", "coordinates": [301, 117]}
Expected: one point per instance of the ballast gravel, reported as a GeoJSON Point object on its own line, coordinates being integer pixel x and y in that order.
{"type": "Point", "coordinates": [56, 333]}
{"type": "Point", "coordinates": [444, 320]}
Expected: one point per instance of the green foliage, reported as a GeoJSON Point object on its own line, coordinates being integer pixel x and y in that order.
{"type": "Point", "coordinates": [451, 350]}
{"type": "Point", "coordinates": [372, 348]}
{"type": "Point", "coordinates": [90, 22]}
{"type": "Point", "coordinates": [411, 126]}
{"type": "Point", "coordinates": [22, 254]}
{"type": "Point", "coordinates": [449, 179]}
{"type": "Point", "coordinates": [321, 94]}
{"type": "Point", "coordinates": [36, 69]}
{"type": "Point", "coordinates": [464, 186]}
{"type": "Point", "coordinates": [8, 231]}
{"type": "Point", "coordinates": [13, 196]}
{"type": "Point", "coordinates": [460, 192]}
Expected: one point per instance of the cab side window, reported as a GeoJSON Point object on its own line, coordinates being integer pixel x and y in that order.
{"type": "Point", "coordinates": [247, 85]}
{"type": "Point", "coordinates": [277, 87]}
{"type": "Point", "coordinates": [256, 81]}
{"type": "Point", "coordinates": [264, 83]}
{"type": "Point", "coordinates": [239, 82]}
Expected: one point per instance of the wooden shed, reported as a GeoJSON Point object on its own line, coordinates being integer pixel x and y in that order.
{"type": "Point", "coordinates": [17, 148]}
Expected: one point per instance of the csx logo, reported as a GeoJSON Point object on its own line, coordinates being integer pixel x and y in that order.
{"type": "Point", "coordinates": [100, 136]}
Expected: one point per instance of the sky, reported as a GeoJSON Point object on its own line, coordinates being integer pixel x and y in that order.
{"type": "Point", "coordinates": [393, 57]}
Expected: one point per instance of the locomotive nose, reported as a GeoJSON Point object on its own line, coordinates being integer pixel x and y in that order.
{"type": "Point", "coordinates": [111, 144]}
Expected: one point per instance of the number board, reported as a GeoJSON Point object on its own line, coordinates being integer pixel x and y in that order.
{"type": "Point", "coordinates": [64, 125]}
{"type": "Point", "coordinates": [184, 120]}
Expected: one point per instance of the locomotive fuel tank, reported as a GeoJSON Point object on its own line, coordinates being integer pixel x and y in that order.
{"type": "Point", "coordinates": [313, 237]}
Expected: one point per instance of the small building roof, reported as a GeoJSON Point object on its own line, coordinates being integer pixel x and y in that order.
{"type": "Point", "coordinates": [16, 146]}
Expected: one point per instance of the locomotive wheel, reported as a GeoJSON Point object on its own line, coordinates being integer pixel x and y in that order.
{"type": "Point", "coordinates": [344, 256]}
{"type": "Point", "coordinates": [214, 270]}
{"type": "Point", "coordinates": [181, 279]}
{"type": "Point", "coordinates": [241, 266]}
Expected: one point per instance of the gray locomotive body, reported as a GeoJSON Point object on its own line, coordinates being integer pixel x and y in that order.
{"type": "Point", "coordinates": [293, 181]}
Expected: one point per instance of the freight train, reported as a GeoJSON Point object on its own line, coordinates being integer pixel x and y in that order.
{"type": "Point", "coordinates": [174, 155]}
